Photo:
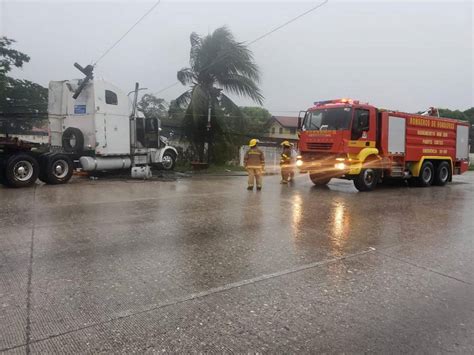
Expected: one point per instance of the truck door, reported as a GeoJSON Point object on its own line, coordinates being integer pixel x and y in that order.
{"type": "Point", "coordinates": [152, 131]}
{"type": "Point", "coordinates": [363, 128]}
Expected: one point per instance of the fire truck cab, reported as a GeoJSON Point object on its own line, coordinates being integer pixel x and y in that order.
{"type": "Point", "coordinates": [348, 139]}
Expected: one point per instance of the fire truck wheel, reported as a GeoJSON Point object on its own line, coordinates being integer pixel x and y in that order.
{"type": "Point", "coordinates": [59, 169]}
{"type": "Point", "coordinates": [442, 174]}
{"type": "Point", "coordinates": [319, 180]}
{"type": "Point", "coordinates": [367, 180]}
{"type": "Point", "coordinates": [427, 175]}
{"type": "Point", "coordinates": [21, 170]}
{"type": "Point", "coordinates": [73, 140]}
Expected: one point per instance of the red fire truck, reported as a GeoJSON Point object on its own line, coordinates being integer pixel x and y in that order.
{"type": "Point", "coordinates": [348, 139]}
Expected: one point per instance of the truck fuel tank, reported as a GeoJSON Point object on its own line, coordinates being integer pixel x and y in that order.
{"type": "Point", "coordinates": [104, 163]}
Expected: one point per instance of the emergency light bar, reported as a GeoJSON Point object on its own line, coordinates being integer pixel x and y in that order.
{"type": "Point", "coordinates": [335, 101]}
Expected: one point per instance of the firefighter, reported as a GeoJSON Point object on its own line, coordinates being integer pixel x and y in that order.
{"type": "Point", "coordinates": [285, 163]}
{"type": "Point", "coordinates": [254, 162]}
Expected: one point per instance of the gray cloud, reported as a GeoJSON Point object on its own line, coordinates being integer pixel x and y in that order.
{"type": "Point", "coordinates": [401, 55]}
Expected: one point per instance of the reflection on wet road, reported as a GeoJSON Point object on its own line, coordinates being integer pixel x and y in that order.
{"type": "Point", "coordinates": [204, 265]}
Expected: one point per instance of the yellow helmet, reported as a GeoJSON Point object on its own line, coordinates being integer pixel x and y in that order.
{"type": "Point", "coordinates": [253, 142]}
{"type": "Point", "coordinates": [286, 144]}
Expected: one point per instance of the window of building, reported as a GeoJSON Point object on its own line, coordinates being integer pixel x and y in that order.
{"type": "Point", "coordinates": [273, 130]}
{"type": "Point", "coordinates": [292, 130]}
{"type": "Point", "coordinates": [280, 130]}
{"type": "Point", "coordinates": [111, 97]}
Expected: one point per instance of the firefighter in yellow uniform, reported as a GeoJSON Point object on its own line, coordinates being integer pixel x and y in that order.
{"type": "Point", "coordinates": [254, 162]}
{"type": "Point", "coordinates": [285, 163]}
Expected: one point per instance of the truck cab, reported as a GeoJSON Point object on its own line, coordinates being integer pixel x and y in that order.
{"type": "Point", "coordinates": [331, 133]}
{"type": "Point", "coordinates": [102, 129]}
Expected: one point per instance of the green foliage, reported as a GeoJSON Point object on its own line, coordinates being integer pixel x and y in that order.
{"type": "Point", "coordinates": [257, 120]}
{"type": "Point", "coordinates": [153, 107]}
{"type": "Point", "coordinates": [10, 57]}
{"type": "Point", "coordinates": [456, 114]}
{"type": "Point", "coordinates": [22, 103]}
{"type": "Point", "coordinates": [218, 64]}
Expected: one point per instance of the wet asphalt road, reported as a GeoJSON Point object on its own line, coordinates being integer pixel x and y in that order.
{"type": "Point", "coordinates": [202, 265]}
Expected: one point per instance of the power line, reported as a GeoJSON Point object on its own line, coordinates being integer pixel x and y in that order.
{"type": "Point", "coordinates": [289, 21]}
{"type": "Point", "coordinates": [126, 33]}
{"type": "Point", "coordinates": [222, 56]}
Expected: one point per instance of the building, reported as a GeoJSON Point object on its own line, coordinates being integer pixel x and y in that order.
{"type": "Point", "coordinates": [283, 128]}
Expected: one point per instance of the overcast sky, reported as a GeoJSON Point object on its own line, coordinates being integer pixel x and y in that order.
{"type": "Point", "coordinates": [394, 54]}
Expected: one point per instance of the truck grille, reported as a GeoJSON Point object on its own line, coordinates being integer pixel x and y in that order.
{"type": "Point", "coordinates": [320, 146]}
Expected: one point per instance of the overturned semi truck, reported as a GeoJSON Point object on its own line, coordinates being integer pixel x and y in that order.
{"type": "Point", "coordinates": [93, 126]}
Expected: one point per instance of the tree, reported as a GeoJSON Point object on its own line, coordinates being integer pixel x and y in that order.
{"type": "Point", "coordinates": [257, 120]}
{"type": "Point", "coordinates": [10, 57]}
{"type": "Point", "coordinates": [456, 114]}
{"type": "Point", "coordinates": [153, 107]}
{"type": "Point", "coordinates": [218, 64]}
{"type": "Point", "coordinates": [22, 102]}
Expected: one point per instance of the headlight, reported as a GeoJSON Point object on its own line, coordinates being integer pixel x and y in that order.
{"type": "Point", "coordinates": [299, 163]}
{"type": "Point", "coordinates": [340, 166]}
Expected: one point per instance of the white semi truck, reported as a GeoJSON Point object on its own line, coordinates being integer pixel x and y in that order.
{"type": "Point", "coordinates": [93, 126]}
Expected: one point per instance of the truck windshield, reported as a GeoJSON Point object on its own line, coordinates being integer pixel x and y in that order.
{"type": "Point", "coordinates": [334, 119]}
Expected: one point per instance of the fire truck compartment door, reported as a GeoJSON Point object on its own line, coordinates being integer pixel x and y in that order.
{"type": "Point", "coordinates": [396, 135]}
{"type": "Point", "coordinates": [462, 145]}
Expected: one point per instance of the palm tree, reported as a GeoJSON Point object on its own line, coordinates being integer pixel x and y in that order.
{"type": "Point", "coordinates": [218, 64]}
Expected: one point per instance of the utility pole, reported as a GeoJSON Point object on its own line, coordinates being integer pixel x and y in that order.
{"type": "Point", "coordinates": [208, 126]}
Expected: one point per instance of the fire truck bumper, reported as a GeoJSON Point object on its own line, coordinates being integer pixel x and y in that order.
{"type": "Point", "coordinates": [333, 167]}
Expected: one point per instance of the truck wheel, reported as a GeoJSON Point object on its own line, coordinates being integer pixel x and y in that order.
{"type": "Point", "coordinates": [367, 180]}
{"type": "Point", "coordinates": [59, 169]}
{"type": "Point", "coordinates": [73, 140]}
{"type": "Point", "coordinates": [442, 174]}
{"type": "Point", "coordinates": [319, 180]}
{"type": "Point", "coordinates": [21, 170]}
{"type": "Point", "coordinates": [168, 161]}
{"type": "Point", "coordinates": [427, 175]}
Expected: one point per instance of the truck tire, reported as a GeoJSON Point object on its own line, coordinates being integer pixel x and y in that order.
{"type": "Point", "coordinates": [168, 161]}
{"type": "Point", "coordinates": [43, 161]}
{"type": "Point", "coordinates": [21, 170]}
{"type": "Point", "coordinates": [367, 180]}
{"type": "Point", "coordinates": [319, 180]}
{"type": "Point", "coordinates": [73, 140]}
{"type": "Point", "coordinates": [427, 175]}
{"type": "Point", "coordinates": [58, 169]}
{"type": "Point", "coordinates": [443, 172]}
{"type": "Point", "coordinates": [3, 178]}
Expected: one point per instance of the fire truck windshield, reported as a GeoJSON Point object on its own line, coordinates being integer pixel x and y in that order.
{"type": "Point", "coordinates": [334, 119]}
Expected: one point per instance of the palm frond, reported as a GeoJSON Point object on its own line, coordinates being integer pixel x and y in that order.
{"type": "Point", "coordinates": [196, 43]}
{"type": "Point", "coordinates": [199, 100]}
{"type": "Point", "coordinates": [183, 100]}
{"type": "Point", "coordinates": [242, 86]}
{"type": "Point", "coordinates": [185, 76]}
{"type": "Point", "coordinates": [229, 106]}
